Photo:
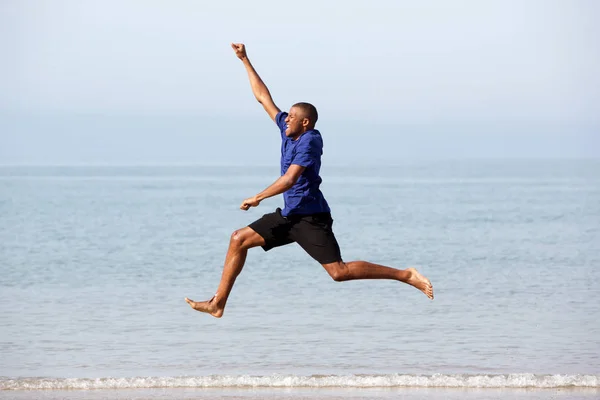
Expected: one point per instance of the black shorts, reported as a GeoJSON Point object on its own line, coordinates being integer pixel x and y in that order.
{"type": "Point", "coordinates": [312, 232]}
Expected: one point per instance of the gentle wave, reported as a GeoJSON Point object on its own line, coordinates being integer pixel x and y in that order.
{"type": "Point", "coordinates": [315, 381]}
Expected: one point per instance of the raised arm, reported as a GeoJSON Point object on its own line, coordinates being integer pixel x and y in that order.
{"type": "Point", "coordinates": [260, 90]}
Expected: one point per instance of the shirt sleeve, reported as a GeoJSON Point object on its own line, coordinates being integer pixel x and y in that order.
{"type": "Point", "coordinates": [307, 151]}
{"type": "Point", "coordinates": [280, 121]}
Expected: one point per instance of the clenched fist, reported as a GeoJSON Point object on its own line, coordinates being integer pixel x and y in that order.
{"type": "Point", "coordinates": [250, 202]}
{"type": "Point", "coordinates": [240, 50]}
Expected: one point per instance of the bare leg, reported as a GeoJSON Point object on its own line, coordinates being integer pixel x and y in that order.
{"type": "Point", "coordinates": [341, 271]}
{"type": "Point", "coordinates": [240, 242]}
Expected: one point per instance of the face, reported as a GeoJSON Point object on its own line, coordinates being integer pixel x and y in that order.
{"type": "Point", "coordinates": [296, 123]}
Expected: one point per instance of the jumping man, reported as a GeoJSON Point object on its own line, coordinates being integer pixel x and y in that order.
{"type": "Point", "coordinates": [306, 217]}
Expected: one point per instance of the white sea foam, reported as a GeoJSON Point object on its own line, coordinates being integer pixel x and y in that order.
{"type": "Point", "coordinates": [315, 381]}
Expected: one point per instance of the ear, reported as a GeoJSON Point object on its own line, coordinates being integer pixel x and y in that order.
{"type": "Point", "coordinates": [305, 122]}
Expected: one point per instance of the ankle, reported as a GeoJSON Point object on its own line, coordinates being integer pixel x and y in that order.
{"type": "Point", "coordinates": [404, 275]}
{"type": "Point", "coordinates": [219, 302]}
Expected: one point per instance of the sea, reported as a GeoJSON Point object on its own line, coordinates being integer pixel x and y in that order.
{"type": "Point", "coordinates": [95, 262]}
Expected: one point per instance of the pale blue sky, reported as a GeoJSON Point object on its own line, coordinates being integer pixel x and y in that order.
{"type": "Point", "coordinates": [156, 81]}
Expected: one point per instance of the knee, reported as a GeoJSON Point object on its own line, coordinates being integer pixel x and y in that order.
{"type": "Point", "coordinates": [339, 272]}
{"type": "Point", "coordinates": [237, 240]}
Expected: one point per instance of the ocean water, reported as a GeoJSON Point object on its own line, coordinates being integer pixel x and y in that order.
{"type": "Point", "coordinates": [96, 261]}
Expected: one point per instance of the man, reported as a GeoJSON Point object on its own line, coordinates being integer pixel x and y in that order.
{"type": "Point", "coordinates": [306, 217]}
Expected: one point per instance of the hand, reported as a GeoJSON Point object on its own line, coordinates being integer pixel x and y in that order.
{"type": "Point", "coordinates": [240, 50]}
{"type": "Point", "coordinates": [250, 202]}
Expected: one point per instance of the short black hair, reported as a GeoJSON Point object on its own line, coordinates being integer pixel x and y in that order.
{"type": "Point", "coordinates": [309, 111]}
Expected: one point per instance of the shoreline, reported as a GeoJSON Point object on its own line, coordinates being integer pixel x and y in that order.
{"type": "Point", "coordinates": [306, 393]}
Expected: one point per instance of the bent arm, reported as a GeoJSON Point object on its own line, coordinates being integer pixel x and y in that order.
{"type": "Point", "coordinates": [259, 89]}
{"type": "Point", "coordinates": [283, 183]}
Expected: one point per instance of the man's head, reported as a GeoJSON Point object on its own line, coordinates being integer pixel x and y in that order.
{"type": "Point", "coordinates": [301, 118]}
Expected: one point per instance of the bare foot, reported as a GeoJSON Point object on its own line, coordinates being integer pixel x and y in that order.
{"type": "Point", "coordinates": [420, 282]}
{"type": "Point", "coordinates": [209, 307]}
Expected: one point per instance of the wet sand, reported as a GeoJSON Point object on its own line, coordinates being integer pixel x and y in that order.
{"type": "Point", "coordinates": [305, 394]}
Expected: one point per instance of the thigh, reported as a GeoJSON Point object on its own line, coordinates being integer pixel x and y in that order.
{"type": "Point", "coordinates": [314, 234]}
{"type": "Point", "coordinates": [274, 229]}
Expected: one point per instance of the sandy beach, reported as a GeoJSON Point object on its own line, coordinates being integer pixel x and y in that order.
{"type": "Point", "coordinates": [307, 394]}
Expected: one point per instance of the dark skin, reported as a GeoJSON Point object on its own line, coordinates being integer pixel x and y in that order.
{"type": "Point", "coordinates": [245, 238]}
